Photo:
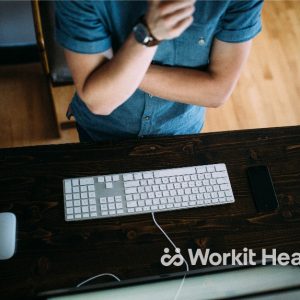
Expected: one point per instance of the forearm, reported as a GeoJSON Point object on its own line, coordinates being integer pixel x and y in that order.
{"type": "Point", "coordinates": [112, 83]}
{"type": "Point", "coordinates": [184, 85]}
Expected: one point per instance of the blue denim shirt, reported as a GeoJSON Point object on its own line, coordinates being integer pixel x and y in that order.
{"type": "Point", "coordinates": [96, 26]}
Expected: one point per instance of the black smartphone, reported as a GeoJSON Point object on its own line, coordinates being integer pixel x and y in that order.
{"type": "Point", "coordinates": [262, 188]}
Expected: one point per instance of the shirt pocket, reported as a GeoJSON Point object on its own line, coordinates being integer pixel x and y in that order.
{"type": "Point", "coordinates": [192, 47]}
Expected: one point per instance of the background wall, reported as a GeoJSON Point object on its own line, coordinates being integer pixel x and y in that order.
{"type": "Point", "coordinates": [16, 24]}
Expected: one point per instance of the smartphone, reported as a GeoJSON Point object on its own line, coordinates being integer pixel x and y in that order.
{"type": "Point", "coordinates": [262, 188]}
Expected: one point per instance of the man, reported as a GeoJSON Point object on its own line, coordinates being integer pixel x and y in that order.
{"type": "Point", "coordinates": [150, 68]}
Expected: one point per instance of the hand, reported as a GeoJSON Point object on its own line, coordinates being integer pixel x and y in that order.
{"type": "Point", "coordinates": [169, 19]}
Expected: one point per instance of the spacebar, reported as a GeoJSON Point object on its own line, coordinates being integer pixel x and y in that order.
{"type": "Point", "coordinates": [174, 172]}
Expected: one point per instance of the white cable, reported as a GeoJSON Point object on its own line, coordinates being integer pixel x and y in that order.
{"type": "Point", "coordinates": [186, 264]}
{"type": "Point", "coordinates": [100, 275]}
{"type": "Point", "coordinates": [172, 243]}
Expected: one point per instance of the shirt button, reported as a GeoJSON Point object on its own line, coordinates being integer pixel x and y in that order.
{"type": "Point", "coordinates": [201, 41]}
{"type": "Point", "coordinates": [147, 118]}
{"type": "Point", "coordinates": [150, 95]}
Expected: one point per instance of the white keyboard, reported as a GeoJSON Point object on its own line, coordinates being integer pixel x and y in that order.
{"type": "Point", "coordinates": [145, 192]}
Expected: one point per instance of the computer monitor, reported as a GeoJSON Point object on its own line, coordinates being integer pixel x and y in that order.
{"type": "Point", "coordinates": [243, 282]}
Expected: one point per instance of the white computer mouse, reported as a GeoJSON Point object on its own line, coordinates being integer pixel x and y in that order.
{"type": "Point", "coordinates": [8, 224]}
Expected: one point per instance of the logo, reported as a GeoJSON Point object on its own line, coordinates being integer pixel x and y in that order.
{"type": "Point", "coordinates": [167, 259]}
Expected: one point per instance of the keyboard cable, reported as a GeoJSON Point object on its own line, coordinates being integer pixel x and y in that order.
{"type": "Point", "coordinates": [172, 243]}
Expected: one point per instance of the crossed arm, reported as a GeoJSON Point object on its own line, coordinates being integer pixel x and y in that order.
{"type": "Point", "coordinates": [104, 84]}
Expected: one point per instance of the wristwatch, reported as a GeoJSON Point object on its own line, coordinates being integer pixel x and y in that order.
{"type": "Point", "coordinates": [143, 35]}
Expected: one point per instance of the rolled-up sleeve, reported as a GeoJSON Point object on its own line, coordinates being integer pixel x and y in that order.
{"type": "Point", "coordinates": [241, 21]}
{"type": "Point", "coordinates": [79, 28]}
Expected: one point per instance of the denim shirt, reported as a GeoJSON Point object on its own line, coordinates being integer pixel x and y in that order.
{"type": "Point", "coordinates": [95, 26]}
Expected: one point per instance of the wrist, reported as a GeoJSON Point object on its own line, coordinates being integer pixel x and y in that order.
{"type": "Point", "coordinates": [143, 34]}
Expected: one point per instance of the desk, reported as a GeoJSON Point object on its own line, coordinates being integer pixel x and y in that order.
{"type": "Point", "coordinates": [52, 253]}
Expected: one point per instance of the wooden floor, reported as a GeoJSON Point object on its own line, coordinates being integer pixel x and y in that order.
{"type": "Point", "coordinates": [267, 95]}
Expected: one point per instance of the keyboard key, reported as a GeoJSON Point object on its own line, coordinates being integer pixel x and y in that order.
{"type": "Point", "coordinates": [133, 183]}
{"type": "Point", "coordinates": [136, 197]}
{"type": "Point", "coordinates": [84, 202]}
{"type": "Point", "coordinates": [108, 178]}
{"type": "Point", "coordinates": [110, 199]}
{"type": "Point", "coordinates": [75, 182]}
{"type": "Point", "coordinates": [131, 204]}
{"type": "Point", "coordinates": [78, 216]}
{"type": "Point", "coordinates": [143, 182]}
{"type": "Point", "coordinates": [68, 197]}
{"type": "Point", "coordinates": [129, 197]}
{"type": "Point", "coordinates": [109, 185]}
{"type": "Point", "coordinates": [194, 177]}
{"type": "Point", "coordinates": [210, 168]}
{"type": "Point", "coordinates": [158, 181]}
{"type": "Point", "coordinates": [83, 195]}
{"type": "Point", "coordinates": [103, 200]}
{"type": "Point", "coordinates": [70, 217]}
{"type": "Point", "coordinates": [150, 181]}
{"type": "Point", "coordinates": [191, 184]}
{"type": "Point", "coordinates": [92, 201]}
{"type": "Point", "coordinates": [174, 193]}
{"type": "Point", "coordinates": [94, 214]}
{"type": "Point", "coordinates": [218, 174]}
{"type": "Point", "coordinates": [118, 198]}
{"type": "Point", "coordinates": [138, 209]}
{"type": "Point", "coordinates": [201, 169]}
{"type": "Point", "coordinates": [120, 211]}
{"type": "Point", "coordinates": [85, 215]}
{"type": "Point", "coordinates": [86, 181]}
{"type": "Point", "coordinates": [151, 195]}
{"type": "Point", "coordinates": [177, 171]}
{"type": "Point", "coordinates": [91, 188]}
{"type": "Point", "coordinates": [220, 167]}
{"type": "Point", "coordinates": [127, 177]}
{"type": "Point", "coordinates": [76, 203]}
{"type": "Point", "coordinates": [68, 186]}
{"type": "Point", "coordinates": [92, 194]}
{"type": "Point", "coordinates": [77, 210]}
{"type": "Point", "coordinates": [93, 208]}
{"type": "Point", "coordinates": [85, 209]}
{"type": "Point", "coordinates": [141, 189]}
{"type": "Point", "coordinates": [69, 203]}
{"type": "Point", "coordinates": [116, 178]}
{"type": "Point", "coordinates": [104, 213]}
{"type": "Point", "coordinates": [165, 180]}
{"type": "Point", "coordinates": [137, 176]}
{"type": "Point", "coordinates": [100, 179]}
{"type": "Point", "coordinates": [83, 188]}
{"type": "Point", "coordinates": [141, 203]}
{"type": "Point", "coordinates": [76, 189]}
{"type": "Point", "coordinates": [70, 210]}
{"type": "Point", "coordinates": [103, 207]}
{"type": "Point", "coordinates": [130, 210]}
{"type": "Point", "coordinates": [149, 202]}
{"type": "Point", "coordinates": [186, 178]}
{"type": "Point", "coordinates": [177, 185]}
{"type": "Point", "coordinates": [148, 189]}
{"type": "Point", "coordinates": [111, 206]}
{"type": "Point", "coordinates": [119, 205]}
{"type": "Point", "coordinates": [131, 190]}
{"type": "Point", "coordinates": [147, 175]}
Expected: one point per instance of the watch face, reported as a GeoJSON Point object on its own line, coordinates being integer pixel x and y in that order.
{"type": "Point", "coordinates": [141, 34]}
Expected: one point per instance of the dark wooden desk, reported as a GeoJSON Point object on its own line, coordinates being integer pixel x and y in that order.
{"type": "Point", "coordinates": [54, 254]}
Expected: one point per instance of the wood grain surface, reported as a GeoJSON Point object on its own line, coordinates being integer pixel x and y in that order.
{"type": "Point", "coordinates": [52, 253]}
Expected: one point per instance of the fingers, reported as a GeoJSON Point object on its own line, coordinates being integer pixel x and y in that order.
{"type": "Point", "coordinates": [169, 7]}
{"type": "Point", "coordinates": [168, 19]}
{"type": "Point", "coordinates": [178, 16]}
{"type": "Point", "coordinates": [181, 26]}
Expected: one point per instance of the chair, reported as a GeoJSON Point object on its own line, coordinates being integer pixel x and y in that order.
{"type": "Point", "coordinates": [53, 61]}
